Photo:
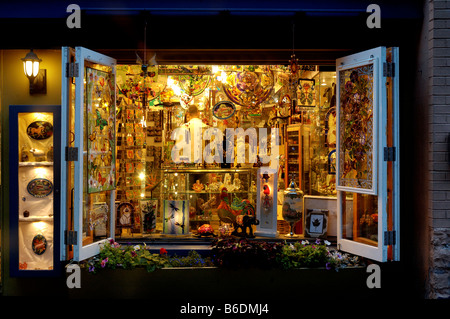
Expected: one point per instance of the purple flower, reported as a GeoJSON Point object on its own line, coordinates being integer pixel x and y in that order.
{"type": "Point", "coordinates": [318, 241]}
{"type": "Point", "coordinates": [91, 268]}
{"type": "Point", "coordinates": [104, 261]}
{"type": "Point", "coordinates": [328, 266]}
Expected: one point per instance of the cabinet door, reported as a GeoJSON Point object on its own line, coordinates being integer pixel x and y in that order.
{"type": "Point", "coordinates": [367, 173]}
{"type": "Point", "coordinates": [35, 135]}
{"type": "Point", "coordinates": [94, 144]}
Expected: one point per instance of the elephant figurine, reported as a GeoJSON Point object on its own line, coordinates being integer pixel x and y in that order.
{"type": "Point", "coordinates": [244, 222]}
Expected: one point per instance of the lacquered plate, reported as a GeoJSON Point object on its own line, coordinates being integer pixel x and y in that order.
{"type": "Point", "coordinates": [39, 244]}
{"type": "Point", "coordinates": [40, 130]}
{"type": "Point", "coordinates": [223, 110]}
{"type": "Point", "coordinates": [40, 187]}
{"type": "Point", "coordinates": [194, 84]}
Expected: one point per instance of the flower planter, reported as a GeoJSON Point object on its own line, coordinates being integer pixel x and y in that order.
{"type": "Point", "coordinates": [212, 283]}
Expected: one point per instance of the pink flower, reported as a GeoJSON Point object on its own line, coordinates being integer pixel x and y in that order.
{"type": "Point", "coordinates": [104, 261]}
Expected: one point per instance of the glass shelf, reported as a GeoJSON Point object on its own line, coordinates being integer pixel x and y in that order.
{"type": "Point", "coordinates": [35, 163]}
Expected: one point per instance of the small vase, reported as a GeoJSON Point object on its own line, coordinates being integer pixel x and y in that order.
{"type": "Point", "coordinates": [292, 210]}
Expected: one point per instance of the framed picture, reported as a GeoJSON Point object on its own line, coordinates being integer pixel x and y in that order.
{"type": "Point", "coordinates": [356, 124]}
{"type": "Point", "coordinates": [149, 209]}
{"type": "Point", "coordinates": [316, 223]}
{"type": "Point", "coordinates": [100, 128]}
{"type": "Point", "coordinates": [176, 217]}
{"type": "Point", "coordinates": [306, 93]}
{"type": "Point", "coordinates": [332, 162]}
{"type": "Point", "coordinates": [125, 215]}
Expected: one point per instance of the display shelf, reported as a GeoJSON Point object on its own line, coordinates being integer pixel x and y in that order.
{"type": "Point", "coordinates": [36, 219]}
{"type": "Point", "coordinates": [177, 185]}
{"type": "Point", "coordinates": [25, 164]}
{"type": "Point", "coordinates": [293, 151]}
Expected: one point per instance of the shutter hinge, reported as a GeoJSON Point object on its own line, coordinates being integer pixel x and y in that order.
{"type": "Point", "coordinates": [389, 238]}
{"type": "Point", "coordinates": [72, 70]}
{"type": "Point", "coordinates": [388, 69]}
{"type": "Point", "coordinates": [71, 154]}
{"type": "Point", "coordinates": [389, 154]}
{"type": "Point", "coordinates": [70, 237]}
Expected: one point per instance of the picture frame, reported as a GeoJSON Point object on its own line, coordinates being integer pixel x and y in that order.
{"type": "Point", "coordinates": [316, 223]}
{"type": "Point", "coordinates": [332, 162]}
{"type": "Point", "coordinates": [176, 217]}
{"type": "Point", "coordinates": [149, 211]}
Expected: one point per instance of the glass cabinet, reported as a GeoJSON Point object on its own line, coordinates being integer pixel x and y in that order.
{"type": "Point", "coordinates": [34, 189]}
{"type": "Point", "coordinates": [202, 191]}
{"type": "Point", "coordinates": [293, 152]}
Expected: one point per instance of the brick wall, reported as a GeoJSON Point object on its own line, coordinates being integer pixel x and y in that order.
{"type": "Point", "coordinates": [439, 130]}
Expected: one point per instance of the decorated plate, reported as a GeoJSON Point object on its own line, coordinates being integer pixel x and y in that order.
{"type": "Point", "coordinates": [194, 84]}
{"type": "Point", "coordinates": [40, 130]}
{"type": "Point", "coordinates": [39, 244]}
{"type": "Point", "coordinates": [284, 106]}
{"type": "Point", "coordinates": [248, 88]}
{"type": "Point", "coordinates": [223, 110]}
{"type": "Point", "coordinates": [40, 187]}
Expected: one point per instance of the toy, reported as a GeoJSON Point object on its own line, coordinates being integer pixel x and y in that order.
{"type": "Point", "coordinates": [241, 214]}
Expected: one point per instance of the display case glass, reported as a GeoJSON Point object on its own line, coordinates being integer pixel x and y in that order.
{"type": "Point", "coordinates": [34, 196]}
{"type": "Point", "coordinates": [205, 192]}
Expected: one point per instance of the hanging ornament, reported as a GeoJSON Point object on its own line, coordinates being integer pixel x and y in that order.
{"type": "Point", "coordinates": [294, 64]}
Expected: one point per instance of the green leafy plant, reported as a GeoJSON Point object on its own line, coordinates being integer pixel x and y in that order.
{"type": "Point", "coordinates": [302, 254]}
{"type": "Point", "coordinates": [193, 259]}
{"type": "Point", "coordinates": [112, 255]}
{"type": "Point", "coordinates": [228, 252]}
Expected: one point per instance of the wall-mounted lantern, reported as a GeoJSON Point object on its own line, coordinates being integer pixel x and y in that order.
{"type": "Point", "coordinates": [36, 75]}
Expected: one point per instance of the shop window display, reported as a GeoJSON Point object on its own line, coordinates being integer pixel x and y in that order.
{"type": "Point", "coordinates": [35, 189]}
{"type": "Point", "coordinates": [153, 183]}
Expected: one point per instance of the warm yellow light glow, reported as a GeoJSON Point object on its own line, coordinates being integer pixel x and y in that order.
{"type": "Point", "coordinates": [223, 77]}
{"type": "Point", "coordinates": [142, 195]}
{"type": "Point", "coordinates": [40, 171]}
{"type": "Point", "coordinates": [31, 64]}
{"type": "Point", "coordinates": [31, 68]}
{"type": "Point", "coordinates": [40, 226]}
{"type": "Point", "coordinates": [142, 176]}
{"type": "Point", "coordinates": [40, 117]}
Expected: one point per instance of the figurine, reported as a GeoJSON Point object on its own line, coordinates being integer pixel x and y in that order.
{"type": "Point", "coordinates": [227, 182]}
{"type": "Point", "coordinates": [267, 200]}
{"type": "Point", "coordinates": [197, 187]}
{"type": "Point", "coordinates": [38, 154]}
{"type": "Point", "coordinates": [192, 212]}
{"type": "Point", "coordinates": [24, 155]}
{"type": "Point", "coordinates": [237, 184]}
{"type": "Point", "coordinates": [242, 215]}
{"type": "Point", "coordinates": [50, 154]}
